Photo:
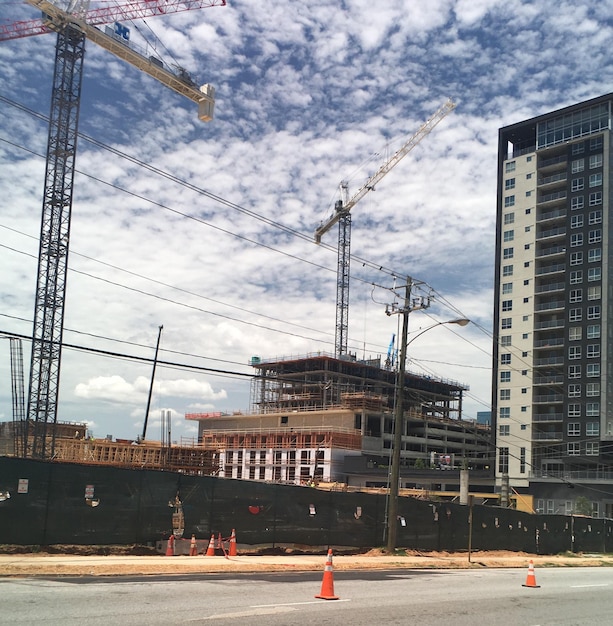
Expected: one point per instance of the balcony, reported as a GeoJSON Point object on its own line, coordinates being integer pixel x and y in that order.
{"type": "Point", "coordinates": [556, 196]}
{"type": "Point", "coordinates": [559, 177]}
{"type": "Point", "coordinates": [550, 398]}
{"type": "Point", "coordinates": [553, 268]}
{"type": "Point", "coordinates": [552, 342]}
{"type": "Point", "coordinates": [551, 251]}
{"type": "Point", "coordinates": [550, 287]}
{"type": "Point", "coordinates": [553, 164]}
{"type": "Point", "coordinates": [546, 216]}
{"type": "Point", "coordinates": [555, 323]}
{"type": "Point", "coordinates": [548, 380]}
{"type": "Point", "coordinates": [549, 306]}
{"type": "Point", "coordinates": [548, 417]}
{"type": "Point", "coordinates": [554, 436]}
{"type": "Point", "coordinates": [559, 231]}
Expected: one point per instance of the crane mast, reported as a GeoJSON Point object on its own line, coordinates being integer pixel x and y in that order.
{"type": "Point", "coordinates": [342, 216]}
{"type": "Point", "coordinates": [72, 30]}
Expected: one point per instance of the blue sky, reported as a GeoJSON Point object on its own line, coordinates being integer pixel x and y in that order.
{"type": "Point", "coordinates": [308, 94]}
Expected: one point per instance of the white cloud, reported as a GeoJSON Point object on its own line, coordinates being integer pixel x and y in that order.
{"type": "Point", "coordinates": [305, 95]}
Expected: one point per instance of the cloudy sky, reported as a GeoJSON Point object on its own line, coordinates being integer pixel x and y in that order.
{"type": "Point", "coordinates": [207, 228]}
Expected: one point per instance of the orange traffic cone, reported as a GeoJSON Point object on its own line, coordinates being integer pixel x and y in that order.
{"type": "Point", "coordinates": [531, 578]}
{"type": "Point", "coordinates": [211, 549]}
{"type": "Point", "coordinates": [232, 551]}
{"type": "Point", "coordinates": [327, 584]}
{"type": "Point", "coordinates": [170, 546]}
{"type": "Point", "coordinates": [193, 547]}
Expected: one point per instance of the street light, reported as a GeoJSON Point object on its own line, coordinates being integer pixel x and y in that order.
{"type": "Point", "coordinates": [392, 506]}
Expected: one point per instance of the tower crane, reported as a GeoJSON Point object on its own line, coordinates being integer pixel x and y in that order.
{"type": "Point", "coordinates": [74, 24]}
{"type": "Point", "coordinates": [342, 216]}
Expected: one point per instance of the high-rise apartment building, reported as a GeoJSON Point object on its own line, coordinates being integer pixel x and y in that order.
{"type": "Point", "coordinates": [553, 355]}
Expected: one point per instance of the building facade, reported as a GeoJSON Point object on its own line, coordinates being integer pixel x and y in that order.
{"type": "Point", "coordinates": [323, 419]}
{"type": "Point", "coordinates": [552, 409]}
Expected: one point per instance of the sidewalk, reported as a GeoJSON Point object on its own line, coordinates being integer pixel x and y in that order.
{"type": "Point", "coordinates": [72, 565]}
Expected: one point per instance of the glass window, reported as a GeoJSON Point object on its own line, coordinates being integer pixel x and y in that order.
{"type": "Point", "coordinates": [507, 253]}
{"type": "Point", "coordinates": [591, 448]}
{"type": "Point", "coordinates": [509, 201]}
{"type": "Point", "coordinates": [509, 166]}
{"type": "Point", "coordinates": [577, 184]}
{"type": "Point", "coordinates": [507, 270]}
{"type": "Point", "coordinates": [574, 390]}
{"type": "Point", "coordinates": [595, 198]}
{"type": "Point", "coordinates": [595, 161]}
{"type": "Point", "coordinates": [577, 203]}
{"type": "Point", "coordinates": [504, 430]}
{"type": "Point", "coordinates": [575, 333]}
{"type": "Point", "coordinates": [505, 412]}
{"type": "Point", "coordinates": [509, 218]}
{"type": "Point", "coordinates": [576, 277]}
{"type": "Point", "coordinates": [578, 148]}
{"type": "Point", "coordinates": [592, 370]}
{"type": "Point", "coordinates": [578, 165]}
{"type": "Point", "coordinates": [576, 221]}
{"type": "Point", "coordinates": [505, 377]}
{"type": "Point", "coordinates": [596, 143]}
{"type": "Point", "coordinates": [573, 449]}
{"type": "Point", "coordinates": [593, 331]}
{"type": "Point", "coordinates": [576, 295]}
{"type": "Point", "coordinates": [503, 460]}
{"type": "Point", "coordinates": [522, 459]}
{"type": "Point", "coordinates": [574, 371]}
{"type": "Point", "coordinates": [595, 236]}
{"type": "Point", "coordinates": [594, 255]}
{"type": "Point", "coordinates": [592, 409]}
{"type": "Point", "coordinates": [505, 394]}
{"type": "Point", "coordinates": [574, 353]}
{"type": "Point", "coordinates": [592, 429]}
{"type": "Point", "coordinates": [509, 235]}
{"type": "Point", "coordinates": [505, 340]}
{"type": "Point", "coordinates": [595, 180]}
{"type": "Point", "coordinates": [576, 239]}
{"type": "Point", "coordinates": [593, 351]}
{"type": "Point", "coordinates": [505, 359]}
{"type": "Point", "coordinates": [575, 315]}
{"type": "Point", "coordinates": [507, 305]}
{"type": "Point", "coordinates": [594, 273]}
{"type": "Point", "coordinates": [593, 312]}
{"type": "Point", "coordinates": [574, 429]}
{"type": "Point", "coordinates": [505, 323]}
{"type": "Point", "coordinates": [593, 293]}
{"type": "Point", "coordinates": [507, 288]}
{"type": "Point", "coordinates": [576, 258]}
{"type": "Point", "coordinates": [592, 389]}
{"type": "Point", "coordinates": [509, 183]}
{"type": "Point", "coordinates": [595, 217]}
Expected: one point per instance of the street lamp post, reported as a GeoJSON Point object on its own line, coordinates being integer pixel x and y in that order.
{"type": "Point", "coordinates": [392, 506]}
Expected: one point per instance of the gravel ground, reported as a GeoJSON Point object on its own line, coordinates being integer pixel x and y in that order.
{"type": "Point", "coordinates": [13, 563]}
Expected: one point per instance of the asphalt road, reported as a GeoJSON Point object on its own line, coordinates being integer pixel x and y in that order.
{"type": "Point", "coordinates": [574, 596]}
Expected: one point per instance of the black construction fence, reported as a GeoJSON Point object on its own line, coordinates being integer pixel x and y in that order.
{"type": "Point", "coordinates": [45, 503]}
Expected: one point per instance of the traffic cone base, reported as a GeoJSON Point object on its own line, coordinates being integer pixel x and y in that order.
{"type": "Point", "coordinates": [531, 578]}
{"type": "Point", "coordinates": [327, 584]}
{"type": "Point", "coordinates": [193, 547]}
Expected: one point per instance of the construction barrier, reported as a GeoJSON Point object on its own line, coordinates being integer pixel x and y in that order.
{"type": "Point", "coordinates": [170, 546]}
{"type": "Point", "coordinates": [193, 547]}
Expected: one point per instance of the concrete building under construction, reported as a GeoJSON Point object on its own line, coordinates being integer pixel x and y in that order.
{"type": "Point", "coordinates": [320, 418]}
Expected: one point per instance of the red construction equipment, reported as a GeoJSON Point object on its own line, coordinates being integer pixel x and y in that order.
{"type": "Point", "coordinates": [193, 547]}
{"type": "Point", "coordinates": [232, 550]}
{"type": "Point", "coordinates": [170, 546]}
{"type": "Point", "coordinates": [531, 578]}
{"type": "Point", "coordinates": [327, 584]}
{"type": "Point", "coordinates": [211, 549]}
